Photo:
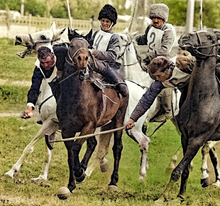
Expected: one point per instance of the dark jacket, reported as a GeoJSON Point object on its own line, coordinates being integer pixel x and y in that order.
{"type": "Point", "coordinates": [33, 93]}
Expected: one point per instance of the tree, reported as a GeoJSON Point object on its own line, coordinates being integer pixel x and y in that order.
{"type": "Point", "coordinates": [10, 4]}
{"type": "Point", "coordinates": [35, 8]}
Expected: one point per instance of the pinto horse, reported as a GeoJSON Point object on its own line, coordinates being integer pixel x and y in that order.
{"type": "Point", "coordinates": [82, 107]}
{"type": "Point", "coordinates": [199, 116]}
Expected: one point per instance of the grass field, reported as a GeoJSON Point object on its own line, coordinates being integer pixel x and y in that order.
{"type": "Point", "coordinates": [16, 133]}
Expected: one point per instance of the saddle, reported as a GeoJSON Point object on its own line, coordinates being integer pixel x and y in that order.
{"type": "Point", "coordinates": [98, 81]}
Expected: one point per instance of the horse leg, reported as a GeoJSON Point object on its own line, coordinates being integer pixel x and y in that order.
{"type": "Point", "coordinates": [99, 157]}
{"type": "Point", "coordinates": [190, 149]}
{"type": "Point", "coordinates": [28, 149]}
{"type": "Point", "coordinates": [73, 148]}
{"type": "Point", "coordinates": [91, 145]}
{"type": "Point", "coordinates": [205, 152]}
{"type": "Point", "coordinates": [215, 162]}
{"type": "Point", "coordinates": [117, 149]}
{"type": "Point", "coordinates": [138, 136]}
{"type": "Point", "coordinates": [44, 173]}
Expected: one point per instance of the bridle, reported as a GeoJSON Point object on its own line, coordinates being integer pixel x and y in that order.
{"type": "Point", "coordinates": [128, 43]}
{"type": "Point", "coordinates": [34, 43]}
{"type": "Point", "coordinates": [69, 60]}
{"type": "Point", "coordinates": [195, 49]}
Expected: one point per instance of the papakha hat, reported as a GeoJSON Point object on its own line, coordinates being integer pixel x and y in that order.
{"type": "Point", "coordinates": [159, 10]}
{"type": "Point", "coordinates": [108, 12]}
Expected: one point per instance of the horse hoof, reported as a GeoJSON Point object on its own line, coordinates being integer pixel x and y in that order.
{"type": "Point", "coordinates": [63, 193]}
{"type": "Point", "coordinates": [81, 178]}
{"type": "Point", "coordinates": [112, 188]}
{"type": "Point", "coordinates": [205, 182]}
{"type": "Point", "coordinates": [141, 177]}
{"type": "Point", "coordinates": [104, 166]}
{"type": "Point", "coordinates": [9, 174]}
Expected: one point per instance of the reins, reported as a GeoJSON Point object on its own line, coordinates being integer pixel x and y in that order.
{"type": "Point", "coordinates": [88, 135]}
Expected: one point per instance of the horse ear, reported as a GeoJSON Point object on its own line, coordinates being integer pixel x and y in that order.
{"type": "Point", "coordinates": [88, 36]}
{"type": "Point", "coordinates": [72, 34]}
{"type": "Point", "coordinates": [53, 27]}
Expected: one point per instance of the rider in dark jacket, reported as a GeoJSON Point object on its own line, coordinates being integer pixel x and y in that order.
{"type": "Point", "coordinates": [49, 61]}
{"type": "Point", "coordinates": [166, 74]}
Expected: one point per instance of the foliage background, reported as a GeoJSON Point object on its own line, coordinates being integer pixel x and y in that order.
{"type": "Point", "coordinates": [85, 9]}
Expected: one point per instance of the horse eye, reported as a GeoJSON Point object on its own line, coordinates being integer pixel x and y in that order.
{"type": "Point", "coordinates": [86, 58]}
{"type": "Point", "coordinates": [43, 37]}
{"type": "Point", "coordinates": [79, 58]}
{"type": "Point", "coordinates": [209, 37]}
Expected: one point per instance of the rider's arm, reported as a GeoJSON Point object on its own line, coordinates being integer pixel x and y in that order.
{"type": "Point", "coordinates": [35, 88]}
{"type": "Point", "coordinates": [146, 100]}
{"type": "Point", "coordinates": [142, 40]}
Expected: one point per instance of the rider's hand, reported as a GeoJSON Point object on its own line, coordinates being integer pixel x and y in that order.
{"type": "Point", "coordinates": [28, 112]}
{"type": "Point", "coordinates": [130, 124]}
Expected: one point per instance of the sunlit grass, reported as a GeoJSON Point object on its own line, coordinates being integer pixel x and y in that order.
{"type": "Point", "coordinates": [16, 133]}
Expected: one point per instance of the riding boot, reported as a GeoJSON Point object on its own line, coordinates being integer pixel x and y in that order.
{"type": "Point", "coordinates": [111, 76]}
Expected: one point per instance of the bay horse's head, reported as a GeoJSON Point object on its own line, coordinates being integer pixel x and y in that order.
{"type": "Point", "coordinates": [201, 44]}
{"type": "Point", "coordinates": [46, 36]}
{"type": "Point", "coordinates": [78, 55]}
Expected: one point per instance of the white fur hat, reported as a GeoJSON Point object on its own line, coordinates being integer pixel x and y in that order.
{"type": "Point", "coordinates": [159, 10]}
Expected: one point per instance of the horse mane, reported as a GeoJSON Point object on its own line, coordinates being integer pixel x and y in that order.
{"type": "Point", "coordinates": [132, 38]}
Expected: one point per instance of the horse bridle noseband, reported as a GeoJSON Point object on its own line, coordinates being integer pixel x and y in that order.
{"type": "Point", "coordinates": [69, 60]}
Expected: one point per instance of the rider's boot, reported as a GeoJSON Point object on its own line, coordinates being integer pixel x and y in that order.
{"type": "Point", "coordinates": [111, 76]}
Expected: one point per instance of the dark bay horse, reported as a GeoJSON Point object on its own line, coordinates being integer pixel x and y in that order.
{"type": "Point", "coordinates": [82, 107]}
{"type": "Point", "coordinates": [199, 116]}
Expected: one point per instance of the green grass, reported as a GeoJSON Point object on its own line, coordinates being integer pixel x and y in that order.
{"type": "Point", "coordinates": [16, 133]}
{"type": "Point", "coordinates": [13, 67]}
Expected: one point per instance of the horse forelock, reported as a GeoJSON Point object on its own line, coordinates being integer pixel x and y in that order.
{"type": "Point", "coordinates": [76, 45]}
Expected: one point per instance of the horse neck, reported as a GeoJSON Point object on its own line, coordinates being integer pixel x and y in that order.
{"type": "Point", "coordinates": [70, 80]}
{"type": "Point", "coordinates": [203, 76]}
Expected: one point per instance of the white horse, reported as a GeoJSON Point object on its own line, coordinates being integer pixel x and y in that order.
{"type": "Point", "coordinates": [46, 102]}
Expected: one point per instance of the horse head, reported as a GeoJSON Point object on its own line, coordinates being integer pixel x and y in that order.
{"type": "Point", "coordinates": [78, 56]}
{"type": "Point", "coordinates": [31, 40]}
{"type": "Point", "coordinates": [201, 44]}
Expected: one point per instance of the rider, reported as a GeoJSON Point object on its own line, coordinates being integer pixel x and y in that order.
{"type": "Point", "coordinates": [166, 74]}
{"type": "Point", "coordinates": [159, 35]}
{"type": "Point", "coordinates": [49, 60]}
{"type": "Point", "coordinates": [105, 48]}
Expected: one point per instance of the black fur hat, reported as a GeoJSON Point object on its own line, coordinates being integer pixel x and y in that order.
{"type": "Point", "coordinates": [108, 12]}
